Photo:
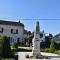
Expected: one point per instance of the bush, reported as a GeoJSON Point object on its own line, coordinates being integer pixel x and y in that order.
{"type": "Point", "coordinates": [14, 45]}
{"type": "Point", "coordinates": [42, 50]}
{"type": "Point", "coordinates": [5, 50]}
{"type": "Point", "coordinates": [20, 49]}
{"type": "Point", "coordinates": [47, 50]}
{"type": "Point", "coordinates": [52, 46]}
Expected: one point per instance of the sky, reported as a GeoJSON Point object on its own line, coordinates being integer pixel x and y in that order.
{"type": "Point", "coordinates": [47, 12]}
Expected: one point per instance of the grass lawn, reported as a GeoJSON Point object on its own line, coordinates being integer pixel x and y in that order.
{"type": "Point", "coordinates": [29, 49]}
{"type": "Point", "coordinates": [57, 52]}
{"type": "Point", "coordinates": [8, 59]}
{"type": "Point", "coordinates": [47, 50]}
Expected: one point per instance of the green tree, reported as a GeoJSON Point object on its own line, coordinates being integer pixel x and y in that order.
{"type": "Point", "coordinates": [0, 48]}
{"type": "Point", "coordinates": [5, 47]}
{"type": "Point", "coordinates": [30, 39]}
{"type": "Point", "coordinates": [29, 32]}
{"type": "Point", "coordinates": [52, 46]}
{"type": "Point", "coordinates": [25, 31]}
{"type": "Point", "coordinates": [47, 41]}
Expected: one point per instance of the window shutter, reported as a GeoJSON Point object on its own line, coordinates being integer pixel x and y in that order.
{"type": "Point", "coordinates": [2, 29]}
{"type": "Point", "coordinates": [18, 40]}
{"type": "Point", "coordinates": [9, 39]}
{"type": "Point", "coordinates": [11, 30]}
{"type": "Point", "coordinates": [16, 31]}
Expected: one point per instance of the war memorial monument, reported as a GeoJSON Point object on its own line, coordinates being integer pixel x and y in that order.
{"type": "Point", "coordinates": [36, 53]}
{"type": "Point", "coordinates": [36, 40]}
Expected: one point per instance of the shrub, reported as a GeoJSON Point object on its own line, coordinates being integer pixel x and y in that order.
{"type": "Point", "coordinates": [14, 45]}
{"type": "Point", "coordinates": [26, 55]}
{"type": "Point", "coordinates": [5, 49]}
{"type": "Point", "coordinates": [52, 46]}
{"type": "Point", "coordinates": [21, 49]}
{"type": "Point", "coordinates": [47, 50]}
{"type": "Point", "coordinates": [42, 50]}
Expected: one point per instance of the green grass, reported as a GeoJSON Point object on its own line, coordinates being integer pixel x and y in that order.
{"type": "Point", "coordinates": [8, 59]}
{"type": "Point", "coordinates": [30, 50]}
{"type": "Point", "coordinates": [57, 52]}
{"type": "Point", "coordinates": [45, 50]}
{"type": "Point", "coordinates": [48, 50]}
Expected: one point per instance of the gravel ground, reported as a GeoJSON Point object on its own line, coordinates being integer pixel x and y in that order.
{"type": "Point", "coordinates": [21, 56]}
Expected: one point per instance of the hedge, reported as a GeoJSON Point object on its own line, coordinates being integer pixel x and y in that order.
{"type": "Point", "coordinates": [20, 50]}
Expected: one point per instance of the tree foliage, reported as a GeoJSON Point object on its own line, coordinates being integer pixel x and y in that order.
{"type": "Point", "coordinates": [29, 32]}
{"type": "Point", "coordinates": [47, 41]}
{"type": "Point", "coordinates": [52, 46]}
{"type": "Point", "coordinates": [5, 49]}
{"type": "Point", "coordinates": [57, 35]}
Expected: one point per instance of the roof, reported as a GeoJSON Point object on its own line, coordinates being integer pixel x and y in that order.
{"type": "Point", "coordinates": [2, 22]}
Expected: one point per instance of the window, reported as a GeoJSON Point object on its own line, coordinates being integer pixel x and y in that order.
{"type": "Point", "coordinates": [14, 31]}
{"type": "Point", "coordinates": [1, 30]}
{"type": "Point", "coordinates": [41, 35]}
{"type": "Point", "coordinates": [12, 40]}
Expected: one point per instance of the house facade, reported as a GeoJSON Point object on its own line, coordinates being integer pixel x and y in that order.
{"type": "Point", "coordinates": [13, 30]}
{"type": "Point", "coordinates": [42, 36]}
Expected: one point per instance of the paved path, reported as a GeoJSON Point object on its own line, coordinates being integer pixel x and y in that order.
{"type": "Point", "coordinates": [21, 56]}
{"type": "Point", "coordinates": [25, 47]}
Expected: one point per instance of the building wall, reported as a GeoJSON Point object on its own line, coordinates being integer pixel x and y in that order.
{"type": "Point", "coordinates": [42, 39]}
{"type": "Point", "coordinates": [7, 32]}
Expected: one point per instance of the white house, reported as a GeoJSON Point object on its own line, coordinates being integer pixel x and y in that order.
{"type": "Point", "coordinates": [42, 36]}
{"type": "Point", "coordinates": [13, 30]}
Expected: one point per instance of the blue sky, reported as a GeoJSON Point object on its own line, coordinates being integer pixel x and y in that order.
{"type": "Point", "coordinates": [33, 9]}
